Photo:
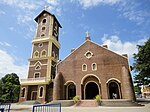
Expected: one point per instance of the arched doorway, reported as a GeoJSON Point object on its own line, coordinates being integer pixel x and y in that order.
{"type": "Point", "coordinates": [91, 90]}
{"type": "Point", "coordinates": [71, 91]}
{"type": "Point", "coordinates": [114, 90]}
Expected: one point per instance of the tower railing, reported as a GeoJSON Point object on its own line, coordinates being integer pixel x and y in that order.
{"type": "Point", "coordinates": [33, 80]}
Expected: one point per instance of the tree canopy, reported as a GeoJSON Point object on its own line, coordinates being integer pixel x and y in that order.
{"type": "Point", "coordinates": [9, 87]}
{"type": "Point", "coordinates": [142, 64]}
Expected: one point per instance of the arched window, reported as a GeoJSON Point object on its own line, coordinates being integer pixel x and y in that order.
{"type": "Point", "coordinates": [41, 92]}
{"type": "Point", "coordinates": [36, 54]}
{"type": "Point", "coordinates": [71, 91]}
{"type": "Point", "coordinates": [94, 66]}
{"type": "Point", "coordinates": [114, 90]}
{"type": "Point", "coordinates": [84, 67]}
{"type": "Point", "coordinates": [43, 53]}
{"type": "Point", "coordinates": [43, 28]}
{"type": "Point", "coordinates": [23, 92]}
{"type": "Point", "coordinates": [38, 67]}
{"type": "Point", "coordinates": [44, 21]}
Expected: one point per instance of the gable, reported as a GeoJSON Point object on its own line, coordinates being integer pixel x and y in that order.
{"type": "Point", "coordinates": [104, 55]}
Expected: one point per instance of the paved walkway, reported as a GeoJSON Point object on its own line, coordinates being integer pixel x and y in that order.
{"type": "Point", "coordinates": [28, 108]}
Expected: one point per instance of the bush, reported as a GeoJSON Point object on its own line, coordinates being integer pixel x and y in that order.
{"type": "Point", "coordinates": [97, 98]}
{"type": "Point", "coordinates": [76, 99]}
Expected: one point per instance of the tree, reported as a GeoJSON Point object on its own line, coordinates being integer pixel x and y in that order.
{"type": "Point", "coordinates": [9, 87]}
{"type": "Point", "coordinates": [142, 64]}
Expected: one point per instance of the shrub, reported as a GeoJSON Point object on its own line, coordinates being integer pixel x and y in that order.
{"type": "Point", "coordinates": [97, 98]}
{"type": "Point", "coordinates": [76, 99]}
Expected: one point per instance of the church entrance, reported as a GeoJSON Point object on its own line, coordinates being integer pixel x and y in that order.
{"type": "Point", "coordinates": [114, 89]}
{"type": "Point", "coordinates": [71, 91]}
{"type": "Point", "coordinates": [34, 95]}
{"type": "Point", "coordinates": [91, 90]}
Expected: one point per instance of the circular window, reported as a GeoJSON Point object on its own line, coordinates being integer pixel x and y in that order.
{"type": "Point", "coordinates": [88, 54]}
{"type": "Point", "coordinates": [40, 45]}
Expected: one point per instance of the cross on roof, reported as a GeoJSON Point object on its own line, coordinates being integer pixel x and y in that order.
{"type": "Point", "coordinates": [46, 7]}
{"type": "Point", "coordinates": [87, 34]}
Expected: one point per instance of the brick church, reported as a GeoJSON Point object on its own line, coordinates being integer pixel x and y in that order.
{"type": "Point", "coordinates": [89, 70]}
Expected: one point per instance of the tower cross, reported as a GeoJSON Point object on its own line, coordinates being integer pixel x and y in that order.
{"type": "Point", "coordinates": [46, 7]}
{"type": "Point", "coordinates": [87, 33]}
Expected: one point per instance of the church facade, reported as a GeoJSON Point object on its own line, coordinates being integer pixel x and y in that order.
{"type": "Point", "coordinates": [92, 70]}
{"type": "Point", "coordinates": [88, 71]}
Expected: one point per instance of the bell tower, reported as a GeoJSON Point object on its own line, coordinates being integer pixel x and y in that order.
{"type": "Point", "coordinates": [44, 57]}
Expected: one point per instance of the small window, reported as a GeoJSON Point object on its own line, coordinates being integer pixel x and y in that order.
{"type": "Point", "coordinates": [44, 21]}
{"type": "Point", "coordinates": [23, 92]}
{"type": "Point", "coordinates": [38, 67]}
{"type": "Point", "coordinates": [40, 45]}
{"type": "Point", "coordinates": [36, 54]}
{"type": "Point", "coordinates": [43, 54]}
{"type": "Point", "coordinates": [41, 92]}
{"type": "Point", "coordinates": [94, 66]}
{"type": "Point", "coordinates": [43, 35]}
{"type": "Point", "coordinates": [43, 28]}
{"type": "Point", "coordinates": [84, 67]}
{"type": "Point", "coordinates": [88, 54]}
{"type": "Point", "coordinates": [53, 54]}
{"type": "Point", "coordinates": [56, 57]}
{"type": "Point", "coordinates": [37, 75]}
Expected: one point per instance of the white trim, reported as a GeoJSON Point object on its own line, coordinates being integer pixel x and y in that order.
{"type": "Point", "coordinates": [67, 84]}
{"type": "Point", "coordinates": [119, 86]}
{"type": "Point", "coordinates": [82, 80]}
{"type": "Point", "coordinates": [40, 91]}
{"type": "Point", "coordinates": [86, 85]}
{"type": "Point", "coordinates": [41, 44]}
{"type": "Point", "coordinates": [95, 66]}
{"type": "Point", "coordinates": [91, 54]}
{"type": "Point", "coordinates": [70, 81]}
{"type": "Point", "coordinates": [85, 67]}
{"type": "Point", "coordinates": [42, 52]}
{"type": "Point", "coordinates": [113, 79]}
{"type": "Point", "coordinates": [39, 67]}
{"type": "Point", "coordinates": [34, 56]}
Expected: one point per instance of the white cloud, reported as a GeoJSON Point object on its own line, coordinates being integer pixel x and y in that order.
{"type": "Point", "coordinates": [7, 66]}
{"type": "Point", "coordinates": [91, 3]}
{"type": "Point", "coordinates": [132, 11]}
{"type": "Point", "coordinates": [5, 44]}
{"type": "Point", "coordinates": [116, 45]}
{"type": "Point", "coordinates": [23, 4]}
{"type": "Point", "coordinates": [24, 18]}
{"type": "Point", "coordinates": [2, 12]}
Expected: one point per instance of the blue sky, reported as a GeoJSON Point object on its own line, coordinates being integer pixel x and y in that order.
{"type": "Point", "coordinates": [121, 24]}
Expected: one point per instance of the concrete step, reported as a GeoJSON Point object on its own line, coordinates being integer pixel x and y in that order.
{"type": "Point", "coordinates": [29, 102]}
{"type": "Point", "coordinates": [64, 103]}
{"type": "Point", "coordinates": [119, 103]}
{"type": "Point", "coordinates": [87, 103]}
